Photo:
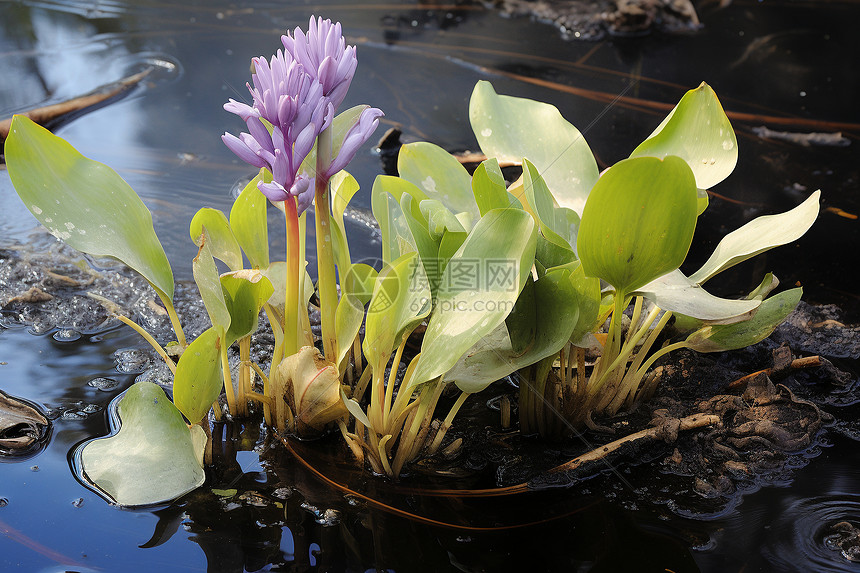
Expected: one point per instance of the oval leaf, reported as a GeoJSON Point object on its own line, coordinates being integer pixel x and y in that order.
{"type": "Point", "coordinates": [554, 310]}
{"type": "Point", "coordinates": [675, 292]}
{"type": "Point", "coordinates": [638, 222]}
{"type": "Point", "coordinates": [249, 224]}
{"type": "Point", "coordinates": [198, 382]}
{"type": "Point", "coordinates": [733, 336]}
{"type": "Point", "coordinates": [209, 283]}
{"type": "Point", "coordinates": [759, 235]}
{"type": "Point", "coordinates": [439, 175]}
{"type": "Point", "coordinates": [245, 292]}
{"type": "Point", "coordinates": [510, 128]}
{"type": "Point", "coordinates": [222, 243]}
{"type": "Point", "coordinates": [478, 289]}
{"type": "Point", "coordinates": [698, 131]}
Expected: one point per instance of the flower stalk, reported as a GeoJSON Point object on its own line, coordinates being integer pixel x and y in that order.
{"type": "Point", "coordinates": [325, 253]}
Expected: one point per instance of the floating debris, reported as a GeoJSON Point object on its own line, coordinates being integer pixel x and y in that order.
{"type": "Point", "coordinates": [804, 139]}
{"type": "Point", "coordinates": [22, 426]}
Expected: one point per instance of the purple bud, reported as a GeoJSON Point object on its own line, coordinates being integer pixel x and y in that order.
{"type": "Point", "coordinates": [242, 110]}
{"type": "Point", "coordinates": [273, 191]}
{"type": "Point", "coordinates": [357, 135]}
{"type": "Point", "coordinates": [242, 150]}
{"type": "Point", "coordinates": [325, 56]}
{"type": "Point", "coordinates": [303, 191]}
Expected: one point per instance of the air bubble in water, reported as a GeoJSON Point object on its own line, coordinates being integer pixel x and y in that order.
{"type": "Point", "coordinates": [103, 384]}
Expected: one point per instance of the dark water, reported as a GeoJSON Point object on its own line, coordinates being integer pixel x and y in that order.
{"type": "Point", "coordinates": [419, 62]}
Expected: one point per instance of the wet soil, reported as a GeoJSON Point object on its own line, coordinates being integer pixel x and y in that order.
{"type": "Point", "coordinates": [593, 20]}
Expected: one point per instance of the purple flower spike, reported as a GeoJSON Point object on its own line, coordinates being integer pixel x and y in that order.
{"type": "Point", "coordinates": [292, 102]}
{"type": "Point", "coordinates": [357, 135]}
{"type": "Point", "coordinates": [325, 56]}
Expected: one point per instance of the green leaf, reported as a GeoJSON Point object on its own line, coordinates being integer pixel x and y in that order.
{"type": "Point", "coordinates": [428, 247]}
{"type": "Point", "coordinates": [277, 274]}
{"type": "Point", "coordinates": [510, 128]}
{"type": "Point", "coordinates": [552, 249]}
{"type": "Point", "coordinates": [347, 322]}
{"type": "Point", "coordinates": [198, 382]}
{"type": "Point", "coordinates": [209, 283]}
{"type": "Point", "coordinates": [222, 243]}
{"type": "Point", "coordinates": [759, 235]}
{"type": "Point", "coordinates": [638, 222]}
{"type": "Point", "coordinates": [83, 202]}
{"type": "Point", "coordinates": [587, 294]}
{"type": "Point", "coordinates": [770, 314]}
{"type": "Point", "coordinates": [397, 238]}
{"type": "Point", "coordinates": [677, 293]}
{"type": "Point", "coordinates": [153, 458]}
{"type": "Point", "coordinates": [698, 131]}
{"type": "Point", "coordinates": [552, 308]}
{"type": "Point", "coordinates": [401, 300]}
{"type": "Point", "coordinates": [439, 219]}
{"type": "Point", "coordinates": [249, 223]}
{"type": "Point", "coordinates": [488, 187]}
{"type": "Point", "coordinates": [439, 175]}
{"type": "Point", "coordinates": [478, 289]}
{"type": "Point", "coordinates": [343, 187]}
{"type": "Point", "coordinates": [245, 292]}
{"type": "Point", "coordinates": [359, 282]}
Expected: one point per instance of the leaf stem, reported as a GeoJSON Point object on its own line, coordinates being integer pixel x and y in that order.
{"type": "Point", "coordinates": [174, 318]}
{"type": "Point", "coordinates": [152, 342]}
{"type": "Point", "coordinates": [228, 380]}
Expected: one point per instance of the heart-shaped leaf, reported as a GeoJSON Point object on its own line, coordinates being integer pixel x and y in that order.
{"type": "Point", "coordinates": [153, 458]}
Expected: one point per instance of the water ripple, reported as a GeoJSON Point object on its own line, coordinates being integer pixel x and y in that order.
{"type": "Point", "coordinates": [805, 532]}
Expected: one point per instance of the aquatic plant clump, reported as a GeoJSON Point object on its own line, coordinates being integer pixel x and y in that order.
{"type": "Point", "coordinates": [488, 278]}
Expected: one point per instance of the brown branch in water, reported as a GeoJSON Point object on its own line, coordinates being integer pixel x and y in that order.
{"type": "Point", "coordinates": [55, 114]}
{"type": "Point", "coordinates": [807, 362]}
{"type": "Point", "coordinates": [660, 431]}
